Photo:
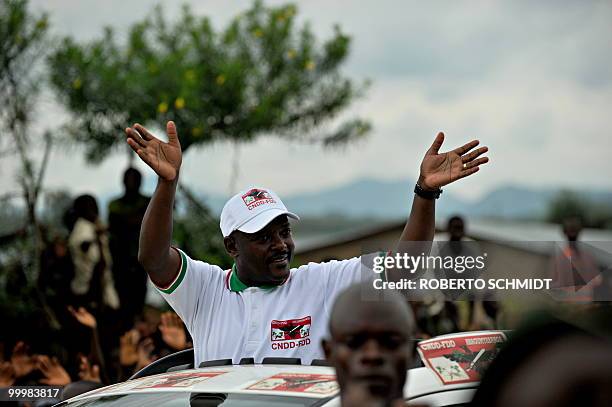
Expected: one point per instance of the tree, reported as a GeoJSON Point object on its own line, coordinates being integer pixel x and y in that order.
{"type": "Point", "coordinates": [568, 204]}
{"type": "Point", "coordinates": [197, 232]}
{"type": "Point", "coordinates": [22, 45]}
{"type": "Point", "coordinates": [260, 75]}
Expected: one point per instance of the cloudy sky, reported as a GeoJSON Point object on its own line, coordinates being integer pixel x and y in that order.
{"type": "Point", "coordinates": [532, 80]}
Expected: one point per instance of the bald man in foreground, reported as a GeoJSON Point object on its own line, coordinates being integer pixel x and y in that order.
{"type": "Point", "coordinates": [371, 346]}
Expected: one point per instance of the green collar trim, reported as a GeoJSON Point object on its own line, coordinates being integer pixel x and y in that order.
{"type": "Point", "coordinates": [236, 285]}
{"type": "Point", "coordinates": [179, 278]}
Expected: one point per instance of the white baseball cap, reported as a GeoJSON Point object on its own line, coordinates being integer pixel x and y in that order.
{"type": "Point", "coordinates": [251, 210]}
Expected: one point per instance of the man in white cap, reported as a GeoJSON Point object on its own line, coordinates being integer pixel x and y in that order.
{"type": "Point", "coordinates": [262, 308]}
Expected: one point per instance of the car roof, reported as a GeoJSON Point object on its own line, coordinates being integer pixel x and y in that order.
{"type": "Point", "coordinates": [260, 379]}
{"type": "Point", "coordinates": [294, 379]}
{"type": "Point", "coordinates": [239, 379]}
{"type": "Point", "coordinates": [422, 380]}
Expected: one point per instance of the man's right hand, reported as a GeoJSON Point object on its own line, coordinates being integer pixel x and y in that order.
{"type": "Point", "coordinates": [164, 158]}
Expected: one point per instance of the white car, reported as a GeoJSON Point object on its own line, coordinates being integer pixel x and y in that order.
{"type": "Point", "coordinates": [279, 382]}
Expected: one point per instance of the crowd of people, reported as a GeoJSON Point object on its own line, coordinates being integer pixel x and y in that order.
{"type": "Point", "coordinates": [95, 290]}
{"type": "Point", "coordinates": [148, 340]}
{"type": "Point", "coordinates": [96, 282]}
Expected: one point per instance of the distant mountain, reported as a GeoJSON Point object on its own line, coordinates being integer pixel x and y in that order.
{"type": "Point", "coordinates": [392, 200]}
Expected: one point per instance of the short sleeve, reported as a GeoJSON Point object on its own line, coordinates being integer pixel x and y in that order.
{"type": "Point", "coordinates": [187, 293]}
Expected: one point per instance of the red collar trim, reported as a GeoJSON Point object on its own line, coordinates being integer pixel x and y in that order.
{"type": "Point", "coordinates": [227, 276]}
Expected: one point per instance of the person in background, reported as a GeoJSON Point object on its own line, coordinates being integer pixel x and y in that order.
{"type": "Point", "coordinates": [125, 215]}
{"type": "Point", "coordinates": [92, 285]}
{"type": "Point", "coordinates": [473, 314]}
{"type": "Point", "coordinates": [154, 336]}
{"type": "Point", "coordinates": [575, 272]}
{"type": "Point", "coordinates": [548, 362]}
{"type": "Point", "coordinates": [26, 369]}
{"type": "Point", "coordinates": [371, 346]}
{"type": "Point", "coordinates": [56, 274]}
{"type": "Point", "coordinates": [95, 371]}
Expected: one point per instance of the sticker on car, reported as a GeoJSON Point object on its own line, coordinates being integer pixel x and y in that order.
{"type": "Point", "coordinates": [177, 380]}
{"type": "Point", "coordinates": [461, 358]}
{"type": "Point", "coordinates": [298, 383]}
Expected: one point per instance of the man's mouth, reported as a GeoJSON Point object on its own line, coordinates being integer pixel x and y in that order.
{"type": "Point", "coordinates": [376, 382]}
{"type": "Point", "coordinates": [280, 259]}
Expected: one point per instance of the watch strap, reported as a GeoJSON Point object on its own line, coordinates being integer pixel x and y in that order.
{"type": "Point", "coordinates": [427, 194]}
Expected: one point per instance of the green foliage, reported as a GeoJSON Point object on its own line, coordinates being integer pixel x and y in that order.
{"type": "Point", "coordinates": [21, 36]}
{"type": "Point", "coordinates": [22, 45]}
{"type": "Point", "coordinates": [22, 42]}
{"type": "Point", "coordinates": [260, 75]}
{"type": "Point", "coordinates": [568, 204]}
{"type": "Point", "coordinates": [197, 233]}
{"type": "Point", "coordinates": [56, 203]}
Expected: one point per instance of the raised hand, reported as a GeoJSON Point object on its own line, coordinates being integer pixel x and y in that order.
{"type": "Point", "coordinates": [172, 331]}
{"type": "Point", "coordinates": [164, 158]}
{"type": "Point", "coordinates": [87, 371]}
{"type": "Point", "coordinates": [128, 348]}
{"type": "Point", "coordinates": [83, 316]}
{"type": "Point", "coordinates": [145, 353]}
{"type": "Point", "coordinates": [7, 374]}
{"type": "Point", "coordinates": [55, 374]}
{"type": "Point", "coordinates": [439, 169]}
{"type": "Point", "coordinates": [23, 363]}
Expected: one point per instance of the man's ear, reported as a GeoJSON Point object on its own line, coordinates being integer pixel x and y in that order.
{"type": "Point", "coordinates": [230, 246]}
{"type": "Point", "coordinates": [327, 350]}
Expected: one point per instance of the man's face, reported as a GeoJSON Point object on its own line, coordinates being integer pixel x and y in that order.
{"type": "Point", "coordinates": [456, 229]}
{"type": "Point", "coordinates": [371, 349]}
{"type": "Point", "coordinates": [572, 228]}
{"type": "Point", "coordinates": [264, 257]}
{"type": "Point", "coordinates": [132, 181]}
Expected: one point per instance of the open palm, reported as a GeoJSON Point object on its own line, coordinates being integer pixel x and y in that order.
{"type": "Point", "coordinates": [164, 158]}
{"type": "Point", "coordinates": [172, 331]}
{"type": "Point", "coordinates": [439, 169]}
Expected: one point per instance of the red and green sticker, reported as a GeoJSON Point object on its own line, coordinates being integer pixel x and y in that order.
{"type": "Point", "coordinates": [298, 383]}
{"type": "Point", "coordinates": [461, 358]}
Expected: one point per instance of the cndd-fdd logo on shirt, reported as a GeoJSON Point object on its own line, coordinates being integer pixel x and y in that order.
{"type": "Point", "coordinates": [255, 197]}
{"type": "Point", "coordinates": [290, 333]}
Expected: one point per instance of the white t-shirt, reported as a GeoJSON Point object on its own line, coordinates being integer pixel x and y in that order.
{"type": "Point", "coordinates": [230, 321]}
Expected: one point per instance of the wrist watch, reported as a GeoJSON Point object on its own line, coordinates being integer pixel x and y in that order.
{"type": "Point", "coordinates": [427, 194]}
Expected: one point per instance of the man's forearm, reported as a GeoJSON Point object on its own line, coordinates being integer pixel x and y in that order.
{"type": "Point", "coordinates": [421, 222]}
{"type": "Point", "coordinates": [420, 229]}
{"type": "Point", "coordinates": [156, 229]}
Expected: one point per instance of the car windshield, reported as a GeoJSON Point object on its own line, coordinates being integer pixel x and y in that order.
{"type": "Point", "coordinates": [184, 399]}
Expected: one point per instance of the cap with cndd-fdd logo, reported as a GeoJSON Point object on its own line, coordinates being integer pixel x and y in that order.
{"type": "Point", "coordinates": [251, 210]}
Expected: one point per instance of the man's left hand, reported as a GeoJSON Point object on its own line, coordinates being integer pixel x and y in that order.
{"type": "Point", "coordinates": [439, 169]}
